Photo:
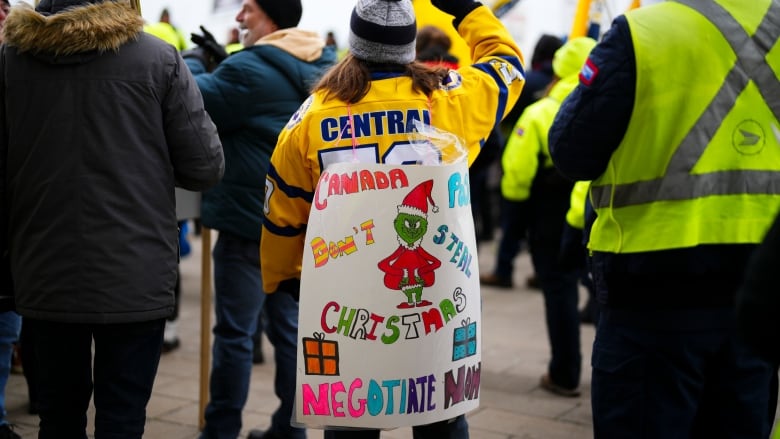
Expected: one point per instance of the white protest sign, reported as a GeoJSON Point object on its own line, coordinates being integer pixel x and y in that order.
{"type": "Point", "coordinates": [389, 329]}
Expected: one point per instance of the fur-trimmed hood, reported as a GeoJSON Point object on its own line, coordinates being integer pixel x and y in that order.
{"type": "Point", "coordinates": [84, 29]}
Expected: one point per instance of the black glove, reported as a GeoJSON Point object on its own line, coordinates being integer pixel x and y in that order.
{"type": "Point", "coordinates": [457, 8]}
{"type": "Point", "coordinates": [201, 55]}
{"type": "Point", "coordinates": [215, 51]}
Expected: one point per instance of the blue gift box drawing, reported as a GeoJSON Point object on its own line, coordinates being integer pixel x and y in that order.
{"type": "Point", "coordinates": [464, 342]}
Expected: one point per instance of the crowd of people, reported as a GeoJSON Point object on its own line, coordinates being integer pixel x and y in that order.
{"type": "Point", "coordinates": [653, 183]}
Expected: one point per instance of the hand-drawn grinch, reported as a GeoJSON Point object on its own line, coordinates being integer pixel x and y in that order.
{"type": "Point", "coordinates": [410, 267]}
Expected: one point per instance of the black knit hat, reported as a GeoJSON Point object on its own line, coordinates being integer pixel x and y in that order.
{"type": "Point", "coordinates": [383, 31]}
{"type": "Point", "coordinates": [285, 13]}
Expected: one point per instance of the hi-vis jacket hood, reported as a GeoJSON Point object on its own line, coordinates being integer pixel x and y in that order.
{"type": "Point", "coordinates": [75, 34]}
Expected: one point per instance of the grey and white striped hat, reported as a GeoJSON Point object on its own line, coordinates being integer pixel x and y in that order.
{"type": "Point", "coordinates": [383, 31]}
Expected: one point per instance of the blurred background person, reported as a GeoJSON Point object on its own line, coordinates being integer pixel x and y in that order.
{"type": "Point", "coordinates": [166, 31]}
{"type": "Point", "coordinates": [545, 194]}
{"type": "Point", "coordinates": [513, 212]}
{"type": "Point", "coordinates": [330, 40]}
{"type": "Point", "coordinates": [234, 40]}
{"type": "Point", "coordinates": [538, 77]}
{"type": "Point", "coordinates": [433, 47]}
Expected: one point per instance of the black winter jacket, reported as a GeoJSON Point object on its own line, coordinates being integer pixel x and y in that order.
{"type": "Point", "coordinates": [100, 121]}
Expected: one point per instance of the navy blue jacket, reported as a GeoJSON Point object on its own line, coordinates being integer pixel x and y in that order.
{"type": "Point", "coordinates": [587, 130]}
{"type": "Point", "coordinates": [758, 304]}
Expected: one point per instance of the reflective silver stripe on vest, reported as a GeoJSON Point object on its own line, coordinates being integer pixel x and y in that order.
{"type": "Point", "coordinates": [678, 183]}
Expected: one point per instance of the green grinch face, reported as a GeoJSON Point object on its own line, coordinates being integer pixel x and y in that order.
{"type": "Point", "coordinates": [410, 227]}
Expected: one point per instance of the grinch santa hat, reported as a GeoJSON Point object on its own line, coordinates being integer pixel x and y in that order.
{"type": "Point", "coordinates": [416, 201]}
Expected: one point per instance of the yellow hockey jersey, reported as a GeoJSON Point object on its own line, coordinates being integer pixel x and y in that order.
{"type": "Point", "coordinates": [469, 103]}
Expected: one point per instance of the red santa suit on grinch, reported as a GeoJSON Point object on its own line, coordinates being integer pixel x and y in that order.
{"type": "Point", "coordinates": [410, 267]}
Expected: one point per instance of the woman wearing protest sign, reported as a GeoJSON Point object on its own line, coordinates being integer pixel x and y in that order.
{"type": "Point", "coordinates": [364, 109]}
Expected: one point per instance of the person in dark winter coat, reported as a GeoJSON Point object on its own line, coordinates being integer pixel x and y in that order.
{"type": "Point", "coordinates": [105, 121]}
{"type": "Point", "coordinates": [251, 95]}
{"type": "Point", "coordinates": [537, 78]}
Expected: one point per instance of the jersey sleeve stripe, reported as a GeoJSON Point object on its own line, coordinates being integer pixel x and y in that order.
{"type": "Point", "coordinates": [502, 88]}
{"type": "Point", "coordinates": [515, 61]}
{"type": "Point", "coordinates": [289, 190]}
{"type": "Point", "coordinates": [288, 231]}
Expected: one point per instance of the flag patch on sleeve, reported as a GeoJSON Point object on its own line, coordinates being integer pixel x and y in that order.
{"type": "Point", "coordinates": [588, 72]}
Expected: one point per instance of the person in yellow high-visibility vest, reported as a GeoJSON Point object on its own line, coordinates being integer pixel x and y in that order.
{"type": "Point", "coordinates": [166, 31]}
{"type": "Point", "coordinates": [512, 221]}
{"type": "Point", "coordinates": [234, 41]}
{"type": "Point", "coordinates": [673, 120]}
{"type": "Point", "coordinates": [542, 196]}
